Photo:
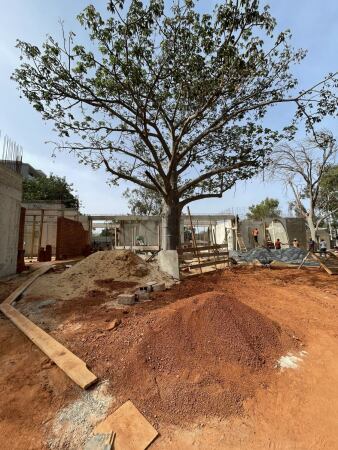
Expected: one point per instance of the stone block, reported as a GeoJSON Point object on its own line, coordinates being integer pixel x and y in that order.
{"type": "Point", "coordinates": [159, 287]}
{"type": "Point", "coordinates": [126, 299]}
{"type": "Point", "coordinates": [142, 295]}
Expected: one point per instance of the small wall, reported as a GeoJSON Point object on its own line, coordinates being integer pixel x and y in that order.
{"type": "Point", "coordinates": [10, 207]}
{"type": "Point", "coordinates": [71, 238]}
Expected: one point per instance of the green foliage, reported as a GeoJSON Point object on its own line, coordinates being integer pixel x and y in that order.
{"type": "Point", "coordinates": [171, 99]}
{"type": "Point", "coordinates": [143, 202]}
{"type": "Point", "coordinates": [49, 189]}
{"type": "Point", "coordinates": [268, 208]}
{"type": "Point", "coordinates": [105, 232]}
{"type": "Point", "coordinates": [328, 192]}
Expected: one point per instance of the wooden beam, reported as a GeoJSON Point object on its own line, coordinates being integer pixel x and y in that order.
{"type": "Point", "coordinates": [324, 266]}
{"type": "Point", "coordinates": [16, 294]}
{"type": "Point", "coordinates": [182, 250]}
{"type": "Point", "coordinates": [73, 366]}
{"type": "Point", "coordinates": [203, 264]}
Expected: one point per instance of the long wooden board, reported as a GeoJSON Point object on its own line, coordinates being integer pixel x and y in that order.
{"type": "Point", "coordinates": [187, 256]}
{"type": "Point", "coordinates": [73, 366]}
{"type": "Point", "coordinates": [36, 274]}
{"type": "Point", "coordinates": [204, 264]}
{"type": "Point", "coordinates": [133, 431]}
{"type": "Point", "coordinates": [328, 268]}
{"type": "Point", "coordinates": [181, 250]}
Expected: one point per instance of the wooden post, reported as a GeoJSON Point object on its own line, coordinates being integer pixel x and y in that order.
{"type": "Point", "coordinates": [33, 236]}
{"type": "Point", "coordinates": [41, 228]}
{"type": "Point", "coordinates": [194, 239]}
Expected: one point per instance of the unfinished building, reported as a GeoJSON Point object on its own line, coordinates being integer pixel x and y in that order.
{"type": "Point", "coordinates": [51, 223]}
{"type": "Point", "coordinates": [10, 207]}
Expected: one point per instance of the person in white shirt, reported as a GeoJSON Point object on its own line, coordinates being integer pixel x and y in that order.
{"type": "Point", "coordinates": [322, 247]}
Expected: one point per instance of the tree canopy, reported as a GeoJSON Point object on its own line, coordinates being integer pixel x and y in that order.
{"type": "Point", "coordinates": [143, 202]}
{"type": "Point", "coordinates": [171, 99]}
{"type": "Point", "coordinates": [268, 208]}
{"type": "Point", "coordinates": [49, 188]}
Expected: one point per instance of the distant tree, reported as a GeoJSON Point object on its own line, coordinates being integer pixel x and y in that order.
{"type": "Point", "coordinates": [328, 197]}
{"type": "Point", "coordinates": [143, 202]}
{"type": "Point", "coordinates": [105, 232]}
{"type": "Point", "coordinates": [49, 188]}
{"type": "Point", "coordinates": [306, 169]}
{"type": "Point", "coordinates": [266, 208]}
{"type": "Point", "coordinates": [171, 99]}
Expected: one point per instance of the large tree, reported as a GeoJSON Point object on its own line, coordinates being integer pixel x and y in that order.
{"type": "Point", "coordinates": [170, 99]}
{"type": "Point", "coordinates": [305, 168]}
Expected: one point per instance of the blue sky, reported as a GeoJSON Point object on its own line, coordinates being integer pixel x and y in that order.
{"type": "Point", "coordinates": [314, 25]}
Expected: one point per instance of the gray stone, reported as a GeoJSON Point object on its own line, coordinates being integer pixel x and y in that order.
{"type": "Point", "coordinates": [142, 295]}
{"type": "Point", "coordinates": [126, 299]}
{"type": "Point", "coordinates": [159, 287]}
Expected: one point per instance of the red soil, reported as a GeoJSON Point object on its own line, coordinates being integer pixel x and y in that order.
{"type": "Point", "coordinates": [198, 356]}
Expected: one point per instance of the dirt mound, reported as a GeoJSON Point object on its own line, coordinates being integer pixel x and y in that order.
{"type": "Point", "coordinates": [100, 270]}
{"type": "Point", "coordinates": [108, 264]}
{"type": "Point", "coordinates": [200, 356]}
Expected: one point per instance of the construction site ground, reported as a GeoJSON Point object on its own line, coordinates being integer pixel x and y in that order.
{"type": "Point", "coordinates": [290, 408]}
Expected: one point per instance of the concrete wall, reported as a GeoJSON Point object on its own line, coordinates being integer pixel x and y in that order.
{"type": "Point", "coordinates": [286, 229]}
{"type": "Point", "coordinates": [147, 229]}
{"type": "Point", "coordinates": [10, 207]}
{"type": "Point", "coordinates": [50, 212]}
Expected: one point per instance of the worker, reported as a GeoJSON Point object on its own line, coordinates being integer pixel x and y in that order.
{"type": "Point", "coordinates": [255, 234]}
{"type": "Point", "coordinates": [295, 243]}
{"type": "Point", "coordinates": [311, 245]}
{"type": "Point", "coordinates": [322, 247]}
{"type": "Point", "coordinates": [278, 244]}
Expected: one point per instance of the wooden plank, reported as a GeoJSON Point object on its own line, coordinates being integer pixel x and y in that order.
{"type": "Point", "coordinates": [201, 255]}
{"type": "Point", "coordinates": [133, 431]}
{"type": "Point", "coordinates": [204, 264]}
{"type": "Point", "coordinates": [16, 294]}
{"type": "Point", "coordinates": [181, 250]}
{"type": "Point", "coordinates": [324, 266]}
{"type": "Point", "coordinates": [73, 366]}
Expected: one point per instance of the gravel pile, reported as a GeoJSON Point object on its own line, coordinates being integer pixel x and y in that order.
{"type": "Point", "coordinates": [200, 356]}
{"type": "Point", "coordinates": [290, 255]}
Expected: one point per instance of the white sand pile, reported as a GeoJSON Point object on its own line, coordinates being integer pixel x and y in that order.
{"type": "Point", "coordinates": [119, 265]}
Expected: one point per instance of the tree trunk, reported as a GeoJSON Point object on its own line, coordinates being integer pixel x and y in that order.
{"type": "Point", "coordinates": [171, 225]}
{"type": "Point", "coordinates": [311, 226]}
